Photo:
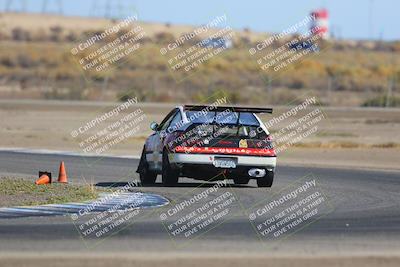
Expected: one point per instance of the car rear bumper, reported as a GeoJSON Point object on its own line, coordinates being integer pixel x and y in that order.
{"type": "Point", "coordinates": [200, 166]}
{"type": "Point", "coordinates": [207, 159]}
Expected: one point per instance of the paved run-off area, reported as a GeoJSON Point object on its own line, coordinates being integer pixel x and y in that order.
{"type": "Point", "coordinates": [364, 213]}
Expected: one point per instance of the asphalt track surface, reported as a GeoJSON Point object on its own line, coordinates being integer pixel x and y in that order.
{"type": "Point", "coordinates": [365, 213]}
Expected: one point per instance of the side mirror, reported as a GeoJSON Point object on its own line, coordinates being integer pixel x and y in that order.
{"type": "Point", "coordinates": [154, 126]}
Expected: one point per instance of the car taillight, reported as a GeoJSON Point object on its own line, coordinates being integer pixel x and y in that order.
{"type": "Point", "coordinates": [270, 145]}
{"type": "Point", "coordinates": [227, 151]}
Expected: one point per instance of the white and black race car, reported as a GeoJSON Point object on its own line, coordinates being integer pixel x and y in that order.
{"type": "Point", "coordinates": [209, 143]}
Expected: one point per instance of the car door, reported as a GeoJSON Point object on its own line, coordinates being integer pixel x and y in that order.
{"type": "Point", "coordinates": [155, 142]}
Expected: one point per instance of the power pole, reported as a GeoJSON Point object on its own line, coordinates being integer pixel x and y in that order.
{"type": "Point", "coordinates": [9, 4]}
{"type": "Point", "coordinates": [370, 19]}
{"type": "Point", "coordinates": [107, 9]}
{"type": "Point", "coordinates": [110, 9]}
{"type": "Point", "coordinates": [59, 6]}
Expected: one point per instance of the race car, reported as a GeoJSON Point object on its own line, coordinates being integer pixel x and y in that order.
{"type": "Point", "coordinates": [209, 143]}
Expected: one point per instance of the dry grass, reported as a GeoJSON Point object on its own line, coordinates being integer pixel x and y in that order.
{"type": "Point", "coordinates": [361, 74]}
{"type": "Point", "coordinates": [18, 192]}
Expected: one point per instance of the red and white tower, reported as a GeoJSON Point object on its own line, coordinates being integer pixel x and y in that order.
{"type": "Point", "coordinates": [320, 23]}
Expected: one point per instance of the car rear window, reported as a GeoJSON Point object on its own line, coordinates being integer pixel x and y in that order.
{"type": "Point", "coordinates": [223, 117]}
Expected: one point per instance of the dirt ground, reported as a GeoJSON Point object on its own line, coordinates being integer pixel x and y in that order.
{"type": "Point", "coordinates": [346, 137]}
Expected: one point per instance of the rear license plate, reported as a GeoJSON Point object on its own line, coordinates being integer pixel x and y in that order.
{"type": "Point", "coordinates": [226, 163]}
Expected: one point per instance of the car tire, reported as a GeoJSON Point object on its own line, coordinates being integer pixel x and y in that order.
{"type": "Point", "coordinates": [146, 176]}
{"type": "Point", "coordinates": [169, 176]}
{"type": "Point", "coordinates": [241, 180]}
{"type": "Point", "coordinates": [267, 180]}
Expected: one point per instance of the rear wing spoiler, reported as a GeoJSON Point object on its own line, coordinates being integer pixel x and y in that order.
{"type": "Point", "coordinates": [223, 108]}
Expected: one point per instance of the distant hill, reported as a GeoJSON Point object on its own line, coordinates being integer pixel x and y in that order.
{"type": "Point", "coordinates": [43, 22]}
{"type": "Point", "coordinates": [36, 62]}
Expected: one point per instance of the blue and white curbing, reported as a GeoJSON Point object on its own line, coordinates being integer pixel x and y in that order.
{"type": "Point", "coordinates": [123, 201]}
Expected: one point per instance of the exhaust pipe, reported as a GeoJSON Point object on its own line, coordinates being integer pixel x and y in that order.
{"type": "Point", "coordinates": [258, 173]}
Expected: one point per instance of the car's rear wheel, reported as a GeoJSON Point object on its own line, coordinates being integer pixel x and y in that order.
{"type": "Point", "coordinates": [146, 176]}
{"type": "Point", "coordinates": [241, 180]}
{"type": "Point", "coordinates": [267, 180]}
{"type": "Point", "coordinates": [169, 176]}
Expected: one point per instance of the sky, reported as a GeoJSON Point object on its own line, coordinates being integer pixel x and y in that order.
{"type": "Point", "coordinates": [349, 19]}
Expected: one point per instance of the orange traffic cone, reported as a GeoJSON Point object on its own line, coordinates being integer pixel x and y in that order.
{"type": "Point", "coordinates": [43, 179]}
{"type": "Point", "coordinates": [62, 175]}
